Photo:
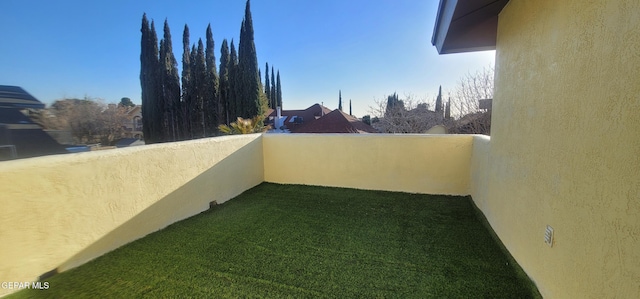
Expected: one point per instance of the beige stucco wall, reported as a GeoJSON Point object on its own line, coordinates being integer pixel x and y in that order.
{"type": "Point", "coordinates": [565, 144]}
{"type": "Point", "coordinates": [61, 211]}
{"type": "Point", "coordinates": [436, 164]}
{"type": "Point", "coordinates": [478, 182]}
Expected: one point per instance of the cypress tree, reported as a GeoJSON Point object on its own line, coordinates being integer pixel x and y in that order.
{"type": "Point", "coordinates": [149, 81]}
{"type": "Point", "coordinates": [234, 85]}
{"type": "Point", "coordinates": [274, 97]}
{"type": "Point", "coordinates": [267, 87]}
{"type": "Point", "coordinates": [161, 100]}
{"type": "Point", "coordinates": [199, 88]}
{"type": "Point", "coordinates": [394, 104]}
{"type": "Point", "coordinates": [350, 111]}
{"type": "Point", "coordinates": [340, 100]}
{"type": "Point", "coordinates": [145, 73]}
{"type": "Point", "coordinates": [223, 95]}
{"type": "Point", "coordinates": [157, 101]}
{"type": "Point", "coordinates": [212, 85]}
{"type": "Point", "coordinates": [193, 94]}
{"type": "Point", "coordinates": [278, 91]}
{"type": "Point", "coordinates": [186, 103]}
{"type": "Point", "coordinates": [263, 100]}
{"type": "Point", "coordinates": [439, 101]}
{"type": "Point", "coordinates": [248, 66]}
{"type": "Point", "coordinates": [170, 85]}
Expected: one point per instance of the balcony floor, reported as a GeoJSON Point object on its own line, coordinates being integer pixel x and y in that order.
{"type": "Point", "coordinates": [301, 241]}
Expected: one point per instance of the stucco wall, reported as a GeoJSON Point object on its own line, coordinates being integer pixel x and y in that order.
{"type": "Point", "coordinates": [478, 184]}
{"type": "Point", "coordinates": [565, 144]}
{"type": "Point", "coordinates": [61, 211]}
{"type": "Point", "coordinates": [436, 164]}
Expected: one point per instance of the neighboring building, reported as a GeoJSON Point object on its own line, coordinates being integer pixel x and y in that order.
{"type": "Point", "coordinates": [133, 124]}
{"type": "Point", "coordinates": [336, 121]}
{"type": "Point", "coordinates": [20, 137]}
{"type": "Point", "coordinates": [317, 119]}
{"type": "Point", "coordinates": [293, 119]}
{"type": "Point", "coordinates": [562, 185]}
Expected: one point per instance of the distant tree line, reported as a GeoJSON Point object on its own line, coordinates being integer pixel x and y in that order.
{"type": "Point", "coordinates": [88, 120]}
{"type": "Point", "coordinates": [193, 104]}
{"type": "Point", "coordinates": [460, 114]}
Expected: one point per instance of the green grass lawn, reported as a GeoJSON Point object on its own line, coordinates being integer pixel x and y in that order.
{"type": "Point", "coordinates": [308, 242]}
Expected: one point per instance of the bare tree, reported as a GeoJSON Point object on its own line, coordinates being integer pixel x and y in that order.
{"type": "Point", "coordinates": [88, 120]}
{"type": "Point", "coordinates": [472, 88]}
{"type": "Point", "coordinates": [404, 116]}
{"type": "Point", "coordinates": [111, 124]}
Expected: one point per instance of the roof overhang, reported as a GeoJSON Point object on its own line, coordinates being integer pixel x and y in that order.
{"type": "Point", "coordinates": [466, 25]}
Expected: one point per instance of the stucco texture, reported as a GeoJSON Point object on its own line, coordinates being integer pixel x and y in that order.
{"type": "Point", "coordinates": [565, 145]}
{"type": "Point", "coordinates": [435, 164]}
{"type": "Point", "coordinates": [61, 211]}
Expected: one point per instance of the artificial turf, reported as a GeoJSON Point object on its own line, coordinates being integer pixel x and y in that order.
{"type": "Point", "coordinates": [308, 242]}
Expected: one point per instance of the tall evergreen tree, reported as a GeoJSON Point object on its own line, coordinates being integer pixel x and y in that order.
{"type": "Point", "coordinates": [273, 88]}
{"type": "Point", "coordinates": [186, 103]}
{"type": "Point", "coordinates": [199, 89]}
{"type": "Point", "coordinates": [340, 100]}
{"type": "Point", "coordinates": [149, 82]}
{"type": "Point", "coordinates": [212, 84]}
{"type": "Point", "coordinates": [223, 95]}
{"type": "Point", "coordinates": [263, 100]}
{"type": "Point", "coordinates": [194, 112]}
{"type": "Point", "coordinates": [267, 87]}
{"type": "Point", "coordinates": [145, 73]}
{"type": "Point", "coordinates": [248, 66]}
{"type": "Point", "coordinates": [394, 104]}
{"type": "Point", "coordinates": [158, 99]}
{"type": "Point", "coordinates": [278, 91]}
{"type": "Point", "coordinates": [235, 105]}
{"type": "Point", "coordinates": [170, 86]}
{"type": "Point", "coordinates": [439, 101]}
{"type": "Point", "coordinates": [350, 110]}
{"type": "Point", "coordinates": [161, 99]}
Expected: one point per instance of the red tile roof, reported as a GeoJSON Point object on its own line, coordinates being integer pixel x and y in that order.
{"type": "Point", "coordinates": [294, 119]}
{"type": "Point", "coordinates": [335, 122]}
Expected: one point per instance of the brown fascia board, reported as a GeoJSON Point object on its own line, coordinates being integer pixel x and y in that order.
{"type": "Point", "coordinates": [446, 8]}
{"type": "Point", "coordinates": [466, 25]}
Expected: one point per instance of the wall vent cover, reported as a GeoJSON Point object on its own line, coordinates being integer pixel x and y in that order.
{"type": "Point", "coordinates": [548, 236]}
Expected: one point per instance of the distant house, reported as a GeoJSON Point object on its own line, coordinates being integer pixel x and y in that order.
{"type": "Point", "coordinates": [133, 124]}
{"type": "Point", "coordinates": [293, 119]}
{"type": "Point", "coordinates": [317, 119]}
{"type": "Point", "coordinates": [336, 122]}
{"type": "Point", "coordinates": [20, 137]}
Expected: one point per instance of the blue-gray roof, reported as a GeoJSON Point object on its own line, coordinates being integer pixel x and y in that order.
{"type": "Point", "coordinates": [16, 97]}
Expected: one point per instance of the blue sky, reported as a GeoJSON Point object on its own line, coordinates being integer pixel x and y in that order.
{"type": "Point", "coordinates": [367, 49]}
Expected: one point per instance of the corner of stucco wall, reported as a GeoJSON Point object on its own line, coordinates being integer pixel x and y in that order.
{"type": "Point", "coordinates": [263, 148]}
{"type": "Point", "coordinates": [479, 170]}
